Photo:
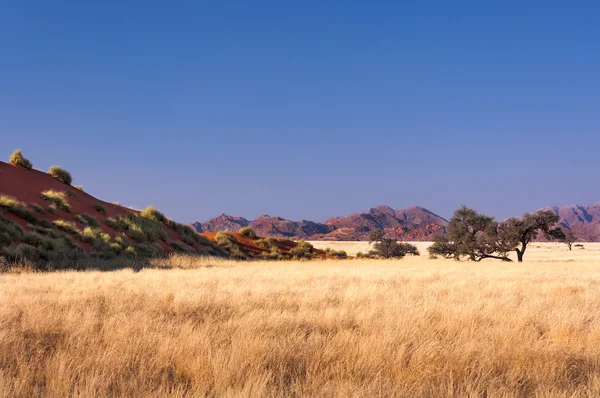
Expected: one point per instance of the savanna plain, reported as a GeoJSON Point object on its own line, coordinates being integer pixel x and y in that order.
{"type": "Point", "coordinates": [342, 328]}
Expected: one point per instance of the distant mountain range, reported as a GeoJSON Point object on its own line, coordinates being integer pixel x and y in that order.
{"type": "Point", "coordinates": [583, 220]}
{"type": "Point", "coordinates": [411, 224]}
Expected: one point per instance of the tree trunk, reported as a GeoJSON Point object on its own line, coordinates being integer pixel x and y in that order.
{"type": "Point", "coordinates": [519, 255]}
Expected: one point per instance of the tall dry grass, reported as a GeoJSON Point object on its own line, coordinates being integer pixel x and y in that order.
{"type": "Point", "coordinates": [413, 327]}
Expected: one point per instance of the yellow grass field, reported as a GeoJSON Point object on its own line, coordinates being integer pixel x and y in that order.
{"type": "Point", "coordinates": [352, 328]}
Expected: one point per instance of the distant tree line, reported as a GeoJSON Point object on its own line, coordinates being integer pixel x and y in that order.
{"type": "Point", "coordinates": [475, 236]}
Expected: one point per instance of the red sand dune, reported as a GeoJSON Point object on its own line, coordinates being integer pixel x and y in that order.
{"type": "Point", "coordinates": [27, 185]}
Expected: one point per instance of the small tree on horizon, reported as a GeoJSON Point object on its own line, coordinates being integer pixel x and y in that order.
{"type": "Point", "coordinates": [569, 238]}
{"type": "Point", "coordinates": [518, 232]}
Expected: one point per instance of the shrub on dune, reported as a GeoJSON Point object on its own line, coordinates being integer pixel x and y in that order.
{"type": "Point", "coordinates": [58, 198]}
{"type": "Point", "coordinates": [18, 159]}
{"type": "Point", "coordinates": [16, 207]}
{"type": "Point", "coordinates": [60, 174]}
{"type": "Point", "coordinates": [248, 232]}
{"type": "Point", "coordinates": [153, 214]}
{"type": "Point", "coordinates": [99, 209]}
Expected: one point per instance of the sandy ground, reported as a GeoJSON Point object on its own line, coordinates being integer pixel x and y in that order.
{"type": "Point", "coordinates": [536, 251]}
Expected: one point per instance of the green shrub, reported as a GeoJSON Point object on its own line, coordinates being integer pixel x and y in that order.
{"type": "Point", "coordinates": [139, 228]}
{"type": "Point", "coordinates": [302, 249]}
{"type": "Point", "coordinates": [17, 208]}
{"type": "Point", "coordinates": [226, 239]}
{"type": "Point", "coordinates": [336, 253]}
{"type": "Point", "coordinates": [18, 159]}
{"type": "Point", "coordinates": [5, 239]}
{"type": "Point", "coordinates": [37, 208]}
{"type": "Point", "coordinates": [58, 198]}
{"type": "Point", "coordinates": [248, 232]}
{"type": "Point", "coordinates": [267, 243]}
{"type": "Point", "coordinates": [99, 209]}
{"type": "Point", "coordinates": [11, 228]}
{"type": "Point", "coordinates": [178, 248]}
{"type": "Point", "coordinates": [87, 220]}
{"type": "Point", "coordinates": [60, 174]}
{"type": "Point", "coordinates": [275, 254]}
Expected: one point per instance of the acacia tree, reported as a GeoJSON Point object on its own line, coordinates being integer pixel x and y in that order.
{"type": "Point", "coordinates": [569, 238]}
{"type": "Point", "coordinates": [470, 235]}
{"type": "Point", "coordinates": [390, 248]}
{"type": "Point", "coordinates": [518, 232]}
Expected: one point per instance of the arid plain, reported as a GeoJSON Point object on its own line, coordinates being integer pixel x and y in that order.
{"type": "Point", "coordinates": [213, 327]}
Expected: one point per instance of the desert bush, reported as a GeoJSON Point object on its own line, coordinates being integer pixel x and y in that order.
{"type": "Point", "coordinates": [51, 208]}
{"type": "Point", "coordinates": [149, 250]}
{"type": "Point", "coordinates": [130, 252]}
{"type": "Point", "coordinates": [16, 207]}
{"type": "Point", "coordinates": [60, 174]}
{"type": "Point", "coordinates": [11, 228]}
{"type": "Point", "coordinates": [178, 247]}
{"type": "Point", "coordinates": [139, 228]}
{"type": "Point", "coordinates": [18, 159]}
{"type": "Point", "coordinates": [302, 249]}
{"type": "Point", "coordinates": [87, 220]}
{"type": "Point", "coordinates": [50, 232]}
{"type": "Point", "coordinates": [57, 198]}
{"type": "Point", "coordinates": [5, 239]}
{"type": "Point", "coordinates": [78, 187]}
{"type": "Point", "coordinates": [267, 243]}
{"type": "Point", "coordinates": [153, 214]}
{"type": "Point", "coordinates": [99, 209]}
{"type": "Point", "coordinates": [275, 253]}
{"type": "Point", "coordinates": [248, 232]}
{"type": "Point", "coordinates": [336, 253]}
{"type": "Point", "coordinates": [226, 239]}
{"type": "Point", "coordinates": [37, 208]}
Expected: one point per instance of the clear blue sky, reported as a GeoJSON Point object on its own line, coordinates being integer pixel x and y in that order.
{"type": "Point", "coordinates": [308, 109]}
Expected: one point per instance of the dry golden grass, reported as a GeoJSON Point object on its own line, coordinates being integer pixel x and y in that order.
{"type": "Point", "coordinates": [414, 327]}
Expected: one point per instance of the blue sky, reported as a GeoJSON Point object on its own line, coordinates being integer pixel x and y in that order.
{"type": "Point", "coordinates": [308, 109]}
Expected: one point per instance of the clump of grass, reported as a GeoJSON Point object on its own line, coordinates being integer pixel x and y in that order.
{"type": "Point", "coordinates": [130, 252]}
{"type": "Point", "coordinates": [302, 249]}
{"type": "Point", "coordinates": [267, 243]}
{"type": "Point", "coordinates": [229, 242]}
{"type": "Point", "coordinates": [18, 159]}
{"type": "Point", "coordinates": [78, 187]}
{"type": "Point", "coordinates": [336, 253]}
{"type": "Point", "coordinates": [275, 254]}
{"type": "Point", "coordinates": [60, 174]}
{"type": "Point", "coordinates": [37, 208]}
{"type": "Point", "coordinates": [87, 220]}
{"type": "Point", "coordinates": [98, 207]}
{"type": "Point", "coordinates": [67, 226]}
{"type": "Point", "coordinates": [16, 207]}
{"type": "Point", "coordinates": [139, 228]}
{"type": "Point", "coordinates": [58, 198]}
{"type": "Point", "coordinates": [248, 232]}
{"type": "Point", "coordinates": [51, 208]}
{"type": "Point", "coordinates": [153, 214]}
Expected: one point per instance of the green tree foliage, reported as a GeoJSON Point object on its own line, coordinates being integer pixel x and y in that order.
{"type": "Point", "coordinates": [389, 248]}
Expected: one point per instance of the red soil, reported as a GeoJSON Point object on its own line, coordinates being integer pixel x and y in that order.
{"type": "Point", "coordinates": [27, 185]}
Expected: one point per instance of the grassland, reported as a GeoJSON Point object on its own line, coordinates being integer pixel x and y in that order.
{"type": "Point", "coordinates": [208, 327]}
